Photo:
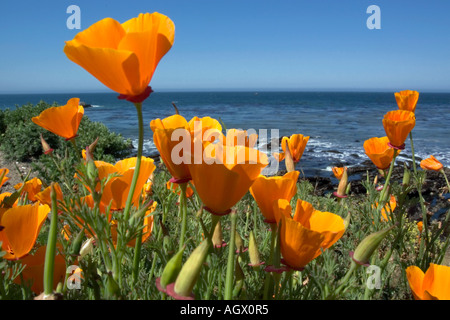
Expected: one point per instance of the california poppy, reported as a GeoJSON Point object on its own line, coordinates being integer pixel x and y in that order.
{"type": "Point", "coordinates": [434, 284]}
{"type": "Point", "coordinates": [205, 129]}
{"type": "Point", "coordinates": [44, 195]}
{"type": "Point", "coordinates": [378, 150]}
{"type": "Point", "coordinates": [123, 56]}
{"type": "Point", "coordinates": [62, 121]}
{"type": "Point", "coordinates": [388, 208]}
{"type": "Point", "coordinates": [431, 163]}
{"type": "Point", "coordinates": [33, 273]}
{"type": "Point", "coordinates": [162, 137]}
{"type": "Point", "coordinates": [265, 190]}
{"type": "Point", "coordinates": [407, 100]}
{"type": "Point", "coordinates": [397, 125]}
{"type": "Point", "coordinates": [225, 175]}
{"type": "Point", "coordinates": [296, 144]}
{"type": "Point", "coordinates": [338, 172]}
{"type": "Point", "coordinates": [304, 236]}
{"type": "Point", "coordinates": [3, 177]}
{"type": "Point", "coordinates": [117, 188]}
{"type": "Point", "coordinates": [21, 226]}
{"type": "Point", "coordinates": [31, 188]}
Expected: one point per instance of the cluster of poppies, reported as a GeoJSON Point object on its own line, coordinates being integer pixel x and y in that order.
{"type": "Point", "coordinates": [220, 168]}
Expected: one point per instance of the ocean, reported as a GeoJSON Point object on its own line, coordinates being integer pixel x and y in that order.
{"type": "Point", "coordinates": [338, 123]}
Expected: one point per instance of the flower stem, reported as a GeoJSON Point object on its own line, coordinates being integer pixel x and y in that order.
{"type": "Point", "coordinates": [183, 210]}
{"type": "Point", "coordinates": [230, 264]}
{"type": "Point", "coordinates": [50, 251]}
{"type": "Point", "coordinates": [126, 211]}
{"type": "Point", "coordinates": [270, 261]}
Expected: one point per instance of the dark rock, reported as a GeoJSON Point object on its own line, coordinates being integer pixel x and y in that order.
{"type": "Point", "coordinates": [85, 105]}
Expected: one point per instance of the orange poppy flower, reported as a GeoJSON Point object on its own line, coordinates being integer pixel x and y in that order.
{"type": "Point", "coordinates": [62, 121]}
{"type": "Point", "coordinates": [378, 150]}
{"type": "Point", "coordinates": [116, 190]}
{"type": "Point", "coordinates": [397, 125]}
{"type": "Point", "coordinates": [407, 100]}
{"type": "Point", "coordinates": [123, 56]}
{"type": "Point", "coordinates": [431, 163]}
{"type": "Point", "coordinates": [265, 190]}
{"type": "Point", "coordinates": [44, 195]}
{"type": "Point", "coordinates": [338, 172]}
{"type": "Point", "coordinates": [304, 236]}
{"type": "Point", "coordinates": [225, 175]}
{"type": "Point", "coordinates": [3, 177]}
{"type": "Point", "coordinates": [34, 270]}
{"type": "Point", "coordinates": [21, 226]}
{"type": "Point", "coordinates": [31, 188]}
{"type": "Point", "coordinates": [420, 226]}
{"type": "Point", "coordinates": [199, 126]}
{"type": "Point", "coordinates": [162, 137]}
{"type": "Point", "coordinates": [434, 284]}
{"type": "Point", "coordinates": [297, 144]}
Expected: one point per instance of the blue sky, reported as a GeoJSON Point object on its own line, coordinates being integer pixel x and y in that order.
{"type": "Point", "coordinates": [243, 45]}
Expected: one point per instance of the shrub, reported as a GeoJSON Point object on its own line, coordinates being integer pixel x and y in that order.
{"type": "Point", "coordinates": [20, 141]}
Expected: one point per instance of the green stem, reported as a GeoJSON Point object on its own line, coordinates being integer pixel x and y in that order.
{"type": "Point", "coordinates": [231, 254]}
{"type": "Point", "coordinates": [412, 152]}
{"type": "Point", "coordinates": [126, 211]}
{"type": "Point", "coordinates": [347, 276]}
{"type": "Point", "coordinates": [267, 282]}
{"type": "Point", "coordinates": [446, 180]}
{"type": "Point", "coordinates": [383, 196]}
{"type": "Point", "coordinates": [50, 251]}
{"type": "Point", "coordinates": [183, 210]}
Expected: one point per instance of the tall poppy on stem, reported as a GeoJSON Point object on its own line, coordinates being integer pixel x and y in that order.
{"type": "Point", "coordinates": [431, 163]}
{"type": "Point", "coordinates": [62, 121]}
{"type": "Point", "coordinates": [265, 190]}
{"type": "Point", "coordinates": [398, 124]}
{"type": "Point", "coordinates": [124, 56]}
{"type": "Point", "coordinates": [407, 100]}
{"type": "Point", "coordinates": [378, 150]}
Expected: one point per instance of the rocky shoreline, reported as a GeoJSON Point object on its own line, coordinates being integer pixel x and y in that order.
{"type": "Point", "coordinates": [434, 190]}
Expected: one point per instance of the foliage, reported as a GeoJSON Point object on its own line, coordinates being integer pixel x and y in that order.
{"type": "Point", "coordinates": [20, 141]}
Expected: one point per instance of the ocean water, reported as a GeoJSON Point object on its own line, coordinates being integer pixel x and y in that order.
{"type": "Point", "coordinates": [338, 123]}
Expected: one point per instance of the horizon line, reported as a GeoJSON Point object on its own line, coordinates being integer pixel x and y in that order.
{"type": "Point", "coordinates": [254, 90]}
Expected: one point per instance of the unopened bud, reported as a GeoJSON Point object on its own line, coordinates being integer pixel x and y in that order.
{"type": "Point", "coordinates": [368, 245]}
{"type": "Point", "coordinates": [347, 220]}
{"type": "Point", "coordinates": [171, 270]}
{"type": "Point", "coordinates": [76, 244]}
{"type": "Point", "coordinates": [239, 243]}
{"type": "Point", "coordinates": [87, 248]}
{"type": "Point", "coordinates": [253, 251]}
{"type": "Point", "coordinates": [45, 146]}
{"type": "Point", "coordinates": [217, 238]}
{"type": "Point", "coordinates": [187, 278]}
{"type": "Point", "coordinates": [240, 279]}
{"type": "Point", "coordinates": [342, 187]}
{"type": "Point", "coordinates": [406, 176]}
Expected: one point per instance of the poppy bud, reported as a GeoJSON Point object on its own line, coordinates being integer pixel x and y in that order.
{"type": "Point", "coordinates": [254, 252]}
{"type": "Point", "coordinates": [217, 238]}
{"type": "Point", "coordinates": [76, 245]}
{"type": "Point", "coordinates": [240, 279]}
{"type": "Point", "coordinates": [86, 248]}
{"type": "Point", "coordinates": [239, 243]}
{"type": "Point", "coordinates": [368, 245]}
{"type": "Point", "coordinates": [406, 176]}
{"type": "Point", "coordinates": [171, 270]}
{"type": "Point", "coordinates": [182, 289]}
{"type": "Point", "coordinates": [92, 146]}
{"type": "Point", "coordinates": [342, 187]}
{"type": "Point", "coordinates": [347, 220]}
{"type": "Point", "coordinates": [45, 146]}
{"type": "Point", "coordinates": [112, 287]}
